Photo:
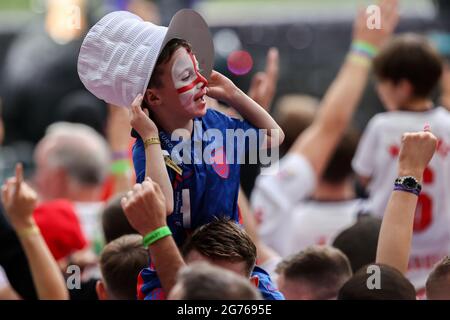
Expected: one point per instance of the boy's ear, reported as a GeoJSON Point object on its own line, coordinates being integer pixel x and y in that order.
{"type": "Point", "coordinates": [152, 98]}
{"type": "Point", "coordinates": [101, 290]}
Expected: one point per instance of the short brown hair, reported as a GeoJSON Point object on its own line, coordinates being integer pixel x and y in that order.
{"type": "Point", "coordinates": [438, 282]}
{"type": "Point", "coordinates": [202, 281]}
{"type": "Point", "coordinates": [120, 264]}
{"type": "Point", "coordinates": [114, 222]}
{"type": "Point", "coordinates": [339, 167]}
{"type": "Point", "coordinates": [223, 239]}
{"type": "Point", "coordinates": [294, 113]}
{"type": "Point", "coordinates": [393, 286]}
{"type": "Point", "coordinates": [323, 268]}
{"type": "Point", "coordinates": [167, 52]}
{"type": "Point", "coordinates": [410, 57]}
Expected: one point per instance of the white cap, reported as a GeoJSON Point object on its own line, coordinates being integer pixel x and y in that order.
{"type": "Point", "coordinates": [120, 51]}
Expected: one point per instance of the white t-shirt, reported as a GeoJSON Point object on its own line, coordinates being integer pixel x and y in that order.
{"type": "Point", "coordinates": [276, 193]}
{"type": "Point", "coordinates": [89, 214]}
{"type": "Point", "coordinates": [288, 223]}
{"type": "Point", "coordinates": [377, 157]}
{"type": "Point", "coordinates": [319, 222]}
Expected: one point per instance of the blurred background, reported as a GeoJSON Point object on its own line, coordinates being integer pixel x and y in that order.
{"type": "Point", "coordinates": [40, 40]}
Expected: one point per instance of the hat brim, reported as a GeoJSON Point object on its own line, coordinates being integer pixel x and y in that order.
{"type": "Point", "coordinates": [189, 25]}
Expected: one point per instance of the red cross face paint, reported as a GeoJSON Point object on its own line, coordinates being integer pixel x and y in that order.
{"type": "Point", "coordinates": [189, 83]}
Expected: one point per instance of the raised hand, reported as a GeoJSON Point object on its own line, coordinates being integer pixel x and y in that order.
{"type": "Point", "coordinates": [264, 84]}
{"type": "Point", "coordinates": [19, 200]}
{"type": "Point", "coordinates": [145, 207]}
{"type": "Point", "coordinates": [221, 88]}
{"type": "Point", "coordinates": [140, 120]}
{"type": "Point", "coordinates": [416, 152]}
{"type": "Point", "coordinates": [389, 20]}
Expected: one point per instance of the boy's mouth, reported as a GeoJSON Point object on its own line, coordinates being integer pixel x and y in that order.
{"type": "Point", "coordinates": [200, 96]}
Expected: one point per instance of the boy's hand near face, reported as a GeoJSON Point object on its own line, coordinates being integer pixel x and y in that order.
{"type": "Point", "coordinates": [140, 120]}
{"type": "Point", "coordinates": [156, 167]}
{"type": "Point", "coordinates": [223, 89]}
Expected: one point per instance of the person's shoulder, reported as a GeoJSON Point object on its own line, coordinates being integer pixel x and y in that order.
{"type": "Point", "coordinates": [442, 114]}
{"type": "Point", "coordinates": [266, 285]}
{"type": "Point", "coordinates": [55, 207]}
{"type": "Point", "coordinates": [382, 118]}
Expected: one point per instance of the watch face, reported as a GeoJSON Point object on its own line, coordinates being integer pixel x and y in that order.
{"type": "Point", "coordinates": [410, 183]}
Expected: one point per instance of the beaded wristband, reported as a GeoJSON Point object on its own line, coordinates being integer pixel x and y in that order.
{"type": "Point", "coordinates": [156, 235]}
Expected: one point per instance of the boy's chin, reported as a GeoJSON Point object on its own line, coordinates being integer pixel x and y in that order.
{"type": "Point", "coordinates": [198, 111]}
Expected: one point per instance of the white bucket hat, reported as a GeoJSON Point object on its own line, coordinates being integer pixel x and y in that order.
{"type": "Point", "coordinates": [120, 51]}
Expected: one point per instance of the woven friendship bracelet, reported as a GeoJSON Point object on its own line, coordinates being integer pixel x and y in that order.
{"type": "Point", "coordinates": [364, 48]}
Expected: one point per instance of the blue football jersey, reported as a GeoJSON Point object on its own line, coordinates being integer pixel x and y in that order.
{"type": "Point", "coordinates": [206, 186]}
{"type": "Point", "coordinates": [149, 287]}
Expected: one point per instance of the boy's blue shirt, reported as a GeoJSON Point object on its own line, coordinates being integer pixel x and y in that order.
{"type": "Point", "coordinates": [213, 192]}
{"type": "Point", "coordinates": [149, 287]}
{"type": "Point", "coordinates": [211, 189]}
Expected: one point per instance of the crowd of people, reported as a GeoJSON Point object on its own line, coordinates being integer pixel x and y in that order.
{"type": "Point", "coordinates": [135, 214]}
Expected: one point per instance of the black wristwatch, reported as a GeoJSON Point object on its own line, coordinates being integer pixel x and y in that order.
{"type": "Point", "coordinates": [408, 184]}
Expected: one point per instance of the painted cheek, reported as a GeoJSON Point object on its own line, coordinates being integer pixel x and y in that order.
{"type": "Point", "coordinates": [187, 99]}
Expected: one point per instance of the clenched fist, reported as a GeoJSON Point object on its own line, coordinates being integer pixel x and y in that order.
{"type": "Point", "coordinates": [416, 152]}
{"type": "Point", "coordinates": [145, 207]}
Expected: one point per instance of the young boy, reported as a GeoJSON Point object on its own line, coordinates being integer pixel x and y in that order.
{"type": "Point", "coordinates": [408, 69]}
{"type": "Point", "coordinates": [201, 180]}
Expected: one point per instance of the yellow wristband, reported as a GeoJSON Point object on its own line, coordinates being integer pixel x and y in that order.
{"type": "Point", "coordinates": [359, 59]}
{"type": "Point", "coordinates": [150, 141]}
{"type": "Point", "coordinates": [27, 232]}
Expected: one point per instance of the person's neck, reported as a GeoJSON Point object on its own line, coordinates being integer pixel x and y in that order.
{"type": "Point", "coordinates": [334, 192]}
{"type": "Point", "coordinates": [170, 123]}
{"type": "Point", "coordinates": [418, 105]}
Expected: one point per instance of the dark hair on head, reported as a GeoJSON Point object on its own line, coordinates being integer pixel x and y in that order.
{"type": "Point", "coordinates": [322, 268]}
{"type": "Point", "coordinates": [223, 239]}
{"type": "Point", "coordinates": [114, 222]}
{"type": "Point", "coordinates": [392, 285]}
{"type": "Point", "coordinates": [438, 282]}
{"type": "Point", "coordinates": [169, 49]}
{"type": "Point", "coordinates": [359, 242]}
{"type": "Point", "coordinates": [203, 281]}
{"type": "Point", "coordinates": [120, 263]}
{"type": "Point", "coordinates": [339, 167]}
{"type": "Point", "coordinates": [410, 57]}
